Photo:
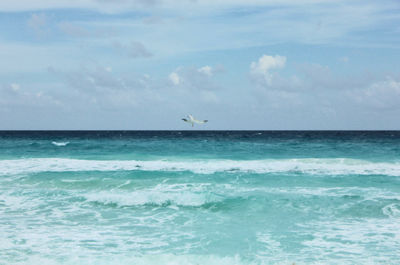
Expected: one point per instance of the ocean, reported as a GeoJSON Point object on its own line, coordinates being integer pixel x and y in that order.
{"type": "Point", "coordinates": [199, 197]}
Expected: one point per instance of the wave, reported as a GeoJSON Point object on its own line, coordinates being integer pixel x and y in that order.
{"type": "Point", "coordinates": [161, 195]}
{"type": "Point", "coordinates": [152, 198]}
{"type": "Point", "coordinates": [322, 166]}
{"type": "Point", "coordinates": [171, 259]}
{"type": "Point", "coordinates": [392, 210]}
{"type": "Point", "coordinates": [60, 143]}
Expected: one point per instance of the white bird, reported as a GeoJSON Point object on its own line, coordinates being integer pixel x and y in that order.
{"type": "Point", "coordinates": [192, 120]}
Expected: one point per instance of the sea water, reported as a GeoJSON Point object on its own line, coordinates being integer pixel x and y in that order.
{"type": "Point", "coordinates": [199, 197]}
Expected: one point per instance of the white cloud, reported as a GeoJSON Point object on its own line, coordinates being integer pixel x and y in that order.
{"type": "Point", "coordinates": [11, 95]}
{"type": "Point", "coordinates": [209, 96]}
{"type": "Point", "coordinates": [123, 5]}
{"type": "Point", "coordinates": [196, 79]}
{"type": "Point", "coordinates": [153, 20]}
{"type": "Point", "coordinates": [174, 78]}
{"type": "Point", "coordinates": [15, 86]}
{"type": "Point", "coordinates": [211, 70]}
{"type": "Point", "coordinates": [79, 31]}
{"type": "Point", "coordinates": [97, 86]}
{"type": "Point", "coordinates": [381, 94]}
{"type": "Point", "coordinates": [223, 28]}
{"type": "Point", "coordinates": [262, 68]}
{"type": "Point", "coordinates": [38, 23]}
{"type": "Point", "coordinates": [135, 49]}
{"type": "Point", "coordinates": [316, 89]}
{"type": "Point", "coordinates": [207, 70]}
{"type": "Point", "coordinates": [73, 30]}
{"type": "Point", "coordinates": [245, 26]}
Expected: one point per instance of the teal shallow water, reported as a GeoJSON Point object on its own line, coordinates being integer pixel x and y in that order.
{"type": "Point", "coordinates": [199, 197]}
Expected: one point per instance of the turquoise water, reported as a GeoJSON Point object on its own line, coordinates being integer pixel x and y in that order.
{"type": "Point", "coordinates": [199, 197]}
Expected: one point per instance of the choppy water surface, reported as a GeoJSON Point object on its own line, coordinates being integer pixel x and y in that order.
{"type": "Point", "coordinates": [189, 197]}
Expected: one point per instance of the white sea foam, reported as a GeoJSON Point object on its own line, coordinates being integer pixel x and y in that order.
{"type": "Point", "coordinates": [368, 193]}
{"type": "Point", "coordinates": [167, 259]}
{"type": "Point", "coordinates": [354, 239]}
{"type": "Point", "coordinates": [60, 143]}
{"type": "Point", "coordinates": [392, 210]}
{"type": "Point", "coordinates": [338, 166]}
{"type": "Point", "coordinates": [170, 259]}
{"type": "Point", "coordinates": [174, 195]}
{"type": "Point", "coordinates": [143, 198]}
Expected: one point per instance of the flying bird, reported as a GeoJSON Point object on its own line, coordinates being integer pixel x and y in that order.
{"type": "Point", "coordinates": [192, 120]}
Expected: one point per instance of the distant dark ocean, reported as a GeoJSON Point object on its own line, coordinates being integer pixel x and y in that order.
{"type": "Point", "coordinates": [199, 197]}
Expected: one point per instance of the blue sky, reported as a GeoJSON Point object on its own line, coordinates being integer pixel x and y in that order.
{"type": "Point", "coordinates": [136, 64]}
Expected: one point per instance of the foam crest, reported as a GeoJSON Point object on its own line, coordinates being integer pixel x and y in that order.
{"type": "Point", "coordinates": [392, 210]}
{"type": "Point", "coordinates": [60, 143]}
{"type": "Point", "coordinates": [167, 259]}
{"type": "Point", "coordinates": [338, 166]}
{"type": "Point", "coordinates": [160, 197]}
{"type": "Point", "coordinates": [354, 237]}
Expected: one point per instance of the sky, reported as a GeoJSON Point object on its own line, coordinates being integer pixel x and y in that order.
{"type": "Point", "coordinates": [241, 64]}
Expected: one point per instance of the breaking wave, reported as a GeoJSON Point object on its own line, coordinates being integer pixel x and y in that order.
{"type": "Point", "coordinates": [336, 166]}
{"type": "Point", "coordinates": [169, 259]}
{"type": "Point", "coordinates": [60, 143]}
{"type": "Point", "coordinates": [143, 198]}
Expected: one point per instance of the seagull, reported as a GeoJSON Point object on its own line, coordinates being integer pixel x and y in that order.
{"type": "Point", "coordinates": [192, 120]}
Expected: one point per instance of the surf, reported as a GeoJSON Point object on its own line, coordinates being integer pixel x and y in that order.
{"type": "Point", "coordinates": [313, 166]}
{"type": "Point", "coordinates": [60, 143]}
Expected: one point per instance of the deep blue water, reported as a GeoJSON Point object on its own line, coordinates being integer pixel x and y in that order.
{"type": "Point", "coordinates": [199, 197]}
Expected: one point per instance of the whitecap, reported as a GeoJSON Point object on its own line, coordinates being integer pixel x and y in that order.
{"type": "Point", "coordinates": [169, 259]}
{"type": "Point", "coordinates": [60, 143]}
{"type": "Point", "coordinates": [312, 166]}
{"type": "Point", "coordinates": [392, 210]}
{"type": "Point", "coordinates": [164, 196]}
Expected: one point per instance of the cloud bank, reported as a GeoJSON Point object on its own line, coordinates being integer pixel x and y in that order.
{"type": "Point", "coordinates": [255, 64]}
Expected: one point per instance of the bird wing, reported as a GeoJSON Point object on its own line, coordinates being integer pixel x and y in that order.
{"type": "Point", "coordinates": [200, 122]}
{"type": "Point", "coordinates": [192, 120]}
